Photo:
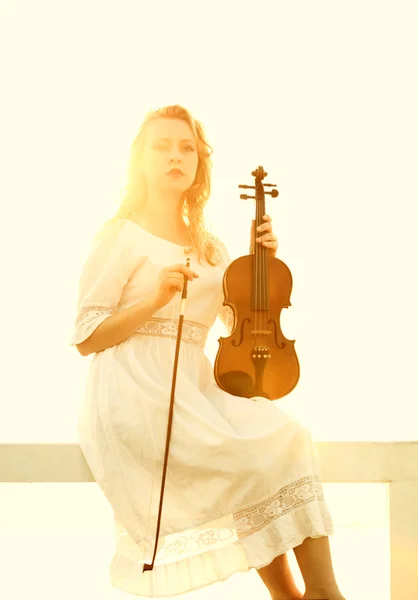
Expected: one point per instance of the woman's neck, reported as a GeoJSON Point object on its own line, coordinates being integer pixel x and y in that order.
{"type": "Point", "coordinates": [164, 227]}
{"type": "Point", "coordinates": [164, 210]}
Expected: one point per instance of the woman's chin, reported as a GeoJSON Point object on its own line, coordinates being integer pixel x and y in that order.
{"type": "Point", "coordinates": [177, 187]}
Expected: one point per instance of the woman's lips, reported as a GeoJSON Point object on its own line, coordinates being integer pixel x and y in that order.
{"type": "Point", "coordinates": [175, 174]}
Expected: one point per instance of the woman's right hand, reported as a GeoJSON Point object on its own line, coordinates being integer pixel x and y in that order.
{"type": "Point", "coordinates": [170, 281]}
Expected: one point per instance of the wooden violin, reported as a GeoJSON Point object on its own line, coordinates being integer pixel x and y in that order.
{"type": "Point", "coordinates": [256, 359]}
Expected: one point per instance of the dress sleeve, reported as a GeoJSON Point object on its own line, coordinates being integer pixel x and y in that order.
{"type": "Point", "coordinates": [225, 313]}
{"type": "Point", "coordinates": [113, 257]}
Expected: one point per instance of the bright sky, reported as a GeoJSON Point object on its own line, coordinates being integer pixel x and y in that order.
{"type": "Point", "coordinates": [321, 94]}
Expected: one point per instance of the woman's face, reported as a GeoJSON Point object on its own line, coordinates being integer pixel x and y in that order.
{"type": "Point", "coordinates": [169, 144]}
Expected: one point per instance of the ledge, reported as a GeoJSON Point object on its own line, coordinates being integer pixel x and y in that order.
{"type": "Point", "coordinates": [341, 462]}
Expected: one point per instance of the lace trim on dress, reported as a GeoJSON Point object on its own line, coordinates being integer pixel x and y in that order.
{"type": "Point", "coordinates": [289, 497]}
{"type": "Point", "coordinates": [246, 522]}
{"type": "Point", "coordinates": [89, 313]}
{"type": "Point", "coordinates": [192, 332]}
{"type": "Point", "coordinates": [194, 542]}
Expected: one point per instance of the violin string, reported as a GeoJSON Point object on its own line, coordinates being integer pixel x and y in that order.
{"type": "Point", "coordinates": [261, 290]}
{"type": "Point", "coordinates": [264, 284]}
{"type": "Point", "coordinates": [256, 285]}
{"type": "Point", "coordinates": [260, 274]}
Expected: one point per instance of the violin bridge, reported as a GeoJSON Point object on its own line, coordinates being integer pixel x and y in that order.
{"type": "Point", "coordinates": [260, 332]}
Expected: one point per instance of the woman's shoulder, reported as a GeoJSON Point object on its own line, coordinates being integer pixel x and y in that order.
{"type": "Point", "coordinates": [114, 233]}
{"type": "Point", "coordinates": [113, 227]}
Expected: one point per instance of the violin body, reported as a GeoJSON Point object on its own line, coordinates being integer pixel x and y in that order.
{"type": "Point", "coordinates": [256, 359]}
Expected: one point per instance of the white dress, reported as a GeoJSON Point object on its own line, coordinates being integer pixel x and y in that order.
{"type": "Point", "coordinates": [242, 482]}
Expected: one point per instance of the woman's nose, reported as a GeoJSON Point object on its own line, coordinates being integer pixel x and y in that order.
{"type": "Point", "coordinates": [174, 154]}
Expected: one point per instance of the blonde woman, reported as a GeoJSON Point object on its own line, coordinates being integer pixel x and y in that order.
{"type": "Point", "coordinates": [242, 484]}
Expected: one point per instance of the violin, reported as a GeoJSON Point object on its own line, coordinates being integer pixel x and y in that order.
{"type": "Point", "coordinates": [256, 359]}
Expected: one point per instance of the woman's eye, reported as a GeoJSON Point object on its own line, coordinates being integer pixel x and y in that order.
{"type": "Point", "coordinates": [165, 147]}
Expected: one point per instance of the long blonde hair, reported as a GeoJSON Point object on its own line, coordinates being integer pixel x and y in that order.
{"type": "Point", "coordinates": [195, 198]}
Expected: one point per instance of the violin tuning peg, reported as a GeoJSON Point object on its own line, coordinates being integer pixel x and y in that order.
{"type": "Point", "coordinates": [247, 187]}
{"type": "Point", "coordinates": [269, 185]}
{"type": "Point", "coordinates": [246, 197]}
{"type": "Point", "coordinates": [273, 193]}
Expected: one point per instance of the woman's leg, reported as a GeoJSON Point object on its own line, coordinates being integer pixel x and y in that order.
{"type": "Point", "coordinates": [278, 578]}
{"type": "Point", "coordinates": [314, 560]}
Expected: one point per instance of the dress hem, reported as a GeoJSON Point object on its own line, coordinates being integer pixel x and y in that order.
{"type": "Point", "coordinates": [190, 573]}
{"type": "Point", "coordinates": [293, 544]}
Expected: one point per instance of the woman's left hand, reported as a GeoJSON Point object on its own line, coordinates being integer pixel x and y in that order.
{"type": "Point", "coordinates": [267, 239]}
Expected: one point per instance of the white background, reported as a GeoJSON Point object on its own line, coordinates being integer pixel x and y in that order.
{"type": "Point", "coordinates": [322, 94]}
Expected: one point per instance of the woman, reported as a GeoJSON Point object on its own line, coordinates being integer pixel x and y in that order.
{"type": "Point", "coordinates": [242, 483]}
